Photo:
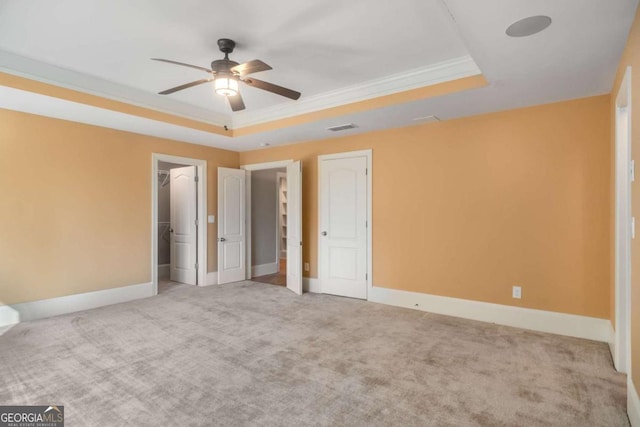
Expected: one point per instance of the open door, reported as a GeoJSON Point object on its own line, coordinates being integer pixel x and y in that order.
{"type": "Point", "coordinates": [294, 227]}
{"type": "Point", "coordinates": [184, 225]}
{"type": "Point", "coordinates": [232, 234]}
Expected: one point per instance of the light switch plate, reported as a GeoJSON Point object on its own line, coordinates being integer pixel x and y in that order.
{"type": "Point", "coordinates": [211, 219]}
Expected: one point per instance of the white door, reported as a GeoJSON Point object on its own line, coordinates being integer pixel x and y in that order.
{"type": "Point", "coordinates": [294, 227]}
{"type": "Point", "coordinates": [184, 226]}
{"type": "Point", "coordinates": [343, 226]}
{"type": "Point", "coordinates": [232, 265]}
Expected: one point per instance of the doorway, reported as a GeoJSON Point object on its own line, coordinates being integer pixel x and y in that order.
{"type": "Point", "coordinates": [178, 237]}
{"type": "Point", "coordinates": [245, 253]}
{"type": "Point", "coordinates": [624, 176]}
{"type": "Point", "coordinates": [344, 224]}
{"type": "Point", "coordinates": [269, 226]}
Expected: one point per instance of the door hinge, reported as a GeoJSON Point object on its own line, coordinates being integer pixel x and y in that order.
{"type": "Point", "coordinates": [366, 224]}
{"type": "Point", "coordinates": [366, 276]}
{"type": "Point", "coordinates": [633, 170]}
{"type": "Point", "coordinates": [196, 222]}
{"type": "Point", "coordinates": [196, 178]}
{"type": "Point", "coordinates": [197, 265]}
{"type": "Point", "coordinates": [366, 171]}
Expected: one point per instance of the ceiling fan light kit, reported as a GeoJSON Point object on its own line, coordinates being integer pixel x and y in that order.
{"type": "Point", "coordinates": [226, 75]}
{"type": "Point", "coordinates": [226, 86]}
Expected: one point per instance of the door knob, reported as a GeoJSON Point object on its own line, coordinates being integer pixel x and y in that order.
{"type": "Point", "coordinates": [324, 233]}
{"type": "Point", "coordinates": [222, 239]}
{"type": "Point", "coordinates": [171, 230]}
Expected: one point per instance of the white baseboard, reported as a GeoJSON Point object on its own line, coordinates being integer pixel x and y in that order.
{"type": "Point", "coordinates": [212, 278]}
{"type": "Point", "coordinates": [537, 320]}
{"type": "Point", "coordinates": [264, 269]}
{"type": "Point", "coordinates": [8, 318]}
{"type": "Point", "coordinates": [311, 284]}
{"type": "Point", "coordinates": [164, 271]}
{"type": "Point", "coordinates": [612, 344]}
{"type": "Point", "coordinates": [633, 403]}
{"type": "Point", "coordinates": [34, 310]}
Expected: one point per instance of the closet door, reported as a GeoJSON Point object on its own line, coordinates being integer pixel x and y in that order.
{"type": "Point", "coordinates": [184, 225]}
{"type": "Point", "coordinates": [342, 222]}
{"type": "Point", "coordinates": [232, 233]}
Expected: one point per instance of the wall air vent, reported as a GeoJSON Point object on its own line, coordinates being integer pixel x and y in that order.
{"type": "Point", "coordinates": [340, 128]}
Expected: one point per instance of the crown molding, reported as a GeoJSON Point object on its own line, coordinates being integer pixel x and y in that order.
{"type": "Point", "coordinates": [62, 109]}
{"type": "Point", "coordinates": [441, 72]}
{"type": "Point", "coordinates": [33, 69]}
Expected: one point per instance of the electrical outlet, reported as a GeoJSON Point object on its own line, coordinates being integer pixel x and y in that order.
{"type": "Point", "coordinates": [517, 292]}
{"type": "Point", "coordinates": [306, 266]}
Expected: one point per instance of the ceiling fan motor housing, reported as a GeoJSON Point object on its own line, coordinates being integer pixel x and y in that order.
{"type": "Point", "coordinates": [223, 66]}
{"type": "Point", "coordinates": [226, 45]}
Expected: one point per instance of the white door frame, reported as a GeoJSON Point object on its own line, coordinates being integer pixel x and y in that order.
{"type": "Point", "coordinates": [249, 168]}
{"type": "Point", "coordinates": [369, 155]}
{"type": "Point", "coordinates": [201, 166]}
{"type": "Point", "coordinates": [623, 229]}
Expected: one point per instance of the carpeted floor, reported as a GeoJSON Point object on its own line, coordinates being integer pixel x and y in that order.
{"type": "Point", "coordinates": [258, 355]}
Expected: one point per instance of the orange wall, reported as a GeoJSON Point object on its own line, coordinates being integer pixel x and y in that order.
{"type": "Point", "coordinates": [76, 205]}
{"type": "Point", "coordinates": [468, 208]}
{"type": "Point", "coordinates": [631, 57]}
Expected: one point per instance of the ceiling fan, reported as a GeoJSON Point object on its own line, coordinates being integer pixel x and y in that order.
{"type": "Point", "coordinates": [225, 75]}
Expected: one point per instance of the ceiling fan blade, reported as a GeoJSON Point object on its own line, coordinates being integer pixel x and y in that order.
{"type": "Point", "coordinates": [185, 86]}
{"type": "Point", "coordinates": [236, 102]}
{"type": "Point", "coordinates": [183, 64]}
{"type": "Point", "coordinates": [270, 87]}
{"type": "Point", "coordinates": [251, 67]}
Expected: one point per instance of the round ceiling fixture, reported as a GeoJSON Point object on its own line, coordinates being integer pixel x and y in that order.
{"type": "Point", "coordinates": [528, 26]}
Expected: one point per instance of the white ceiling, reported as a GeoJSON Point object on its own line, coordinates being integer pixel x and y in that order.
{"type": "Point", "coordinates": [315, 48]}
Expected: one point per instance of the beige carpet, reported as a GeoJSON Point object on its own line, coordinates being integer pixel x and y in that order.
{"type": "Point", "coordinates": [258, 355]}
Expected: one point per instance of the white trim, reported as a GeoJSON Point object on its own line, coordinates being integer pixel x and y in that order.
{"type": "Point", "coordinates": [201, 166]}
{"type": "Point", "coordinates": [29, 68]}
{"type": "Point", "coordinates": [445, 71]}
{"type": "Point", "coordinates": [264, 269]}
{"type": "Point", "coordinates": [612, 342]}
{"type": "Point", "coordinates": [34, 310]}
{"type": "Point", "coordinates": [62, 109]}
{"type": "Point", "coordinates": [369, 155]}
{"type": "Point", "coordinates": [633, 403]}
{"type": "Point", "coordinates": [311, 284]}
{"type": "Point", "coordinates": [8, 317]}
{"type": "Point", "coordinates": [537, 320]}
{"type": "Point", "coordinates": [441, 72]}
{"type": "Point", "coordinates": [622, 338]}
{"type": "Point", "coordinates": [212, 278]}
{"type": "Point", "coordinates": [268, 165]}
{"type": "Point", "coordinates": [163, 271]}
{"type": "Point", "coordinates": [249, 168]}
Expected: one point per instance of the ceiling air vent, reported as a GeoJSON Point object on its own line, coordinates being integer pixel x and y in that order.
{"type": "Point", "coordinates": [431, 118]}
{"type": "Point", "coordinates": [340, 128]}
